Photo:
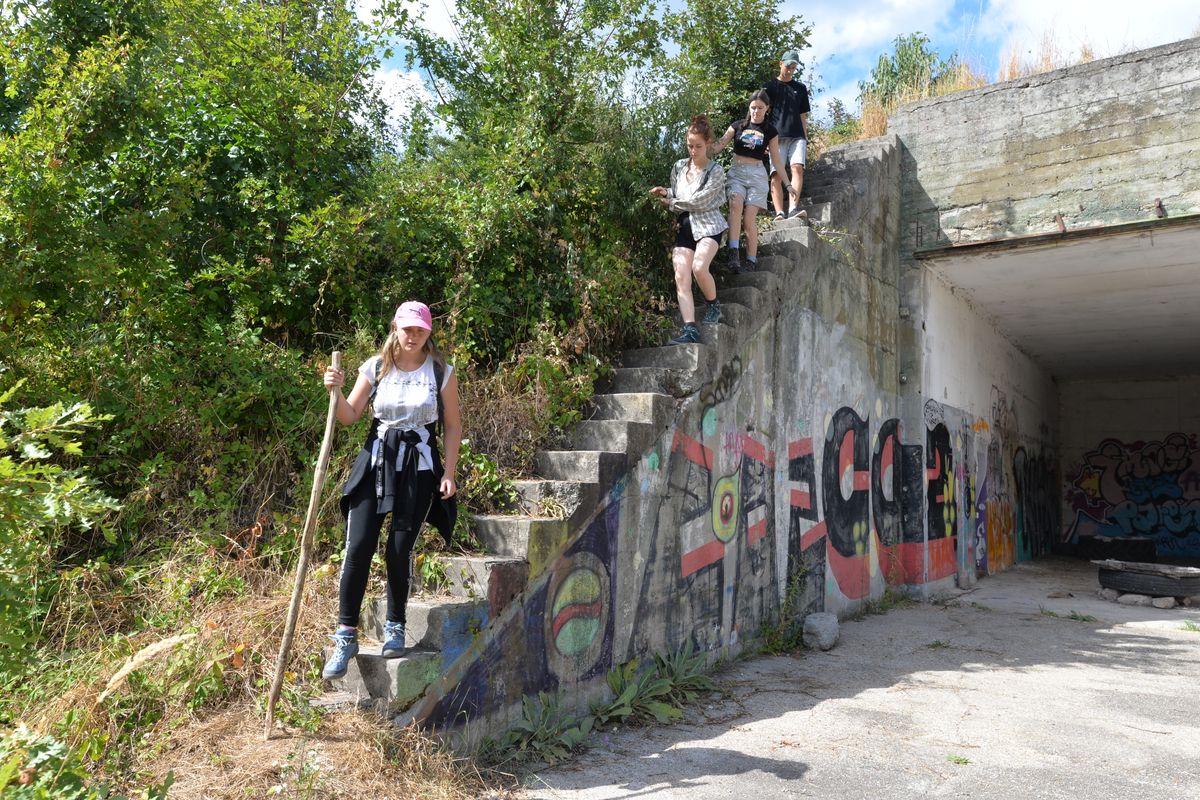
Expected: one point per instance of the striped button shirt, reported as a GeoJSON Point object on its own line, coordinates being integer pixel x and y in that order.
{"type": "Point", "coordinates": [702, 199]}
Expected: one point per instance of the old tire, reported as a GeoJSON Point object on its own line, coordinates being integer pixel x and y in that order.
{"type": "Point", "coordinates": [1151, 585]}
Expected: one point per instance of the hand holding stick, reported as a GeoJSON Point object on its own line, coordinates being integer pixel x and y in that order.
{"type": "Point", "coordinates": [310, 524]}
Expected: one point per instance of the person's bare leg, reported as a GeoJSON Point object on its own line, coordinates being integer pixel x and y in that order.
{"type": "Point", "coordinates": [735, 217]}
{"type": "Point", "coordinates": [777, 193]}
{"type": "Point", "coordinates": [798, 177]}
{"type": "Point", "coordinates": [681, 259]}
{"type": "Point", "coordinates": [705, 250]}
{"type": "Point", "coordinates": [751, 232]}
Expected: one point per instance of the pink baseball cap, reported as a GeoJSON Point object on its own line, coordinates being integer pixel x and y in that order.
{"type": "Point", "coordinates": [413, 315]}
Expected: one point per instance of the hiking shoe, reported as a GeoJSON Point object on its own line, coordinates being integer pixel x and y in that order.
{"type": "Point", "coordinates": [345, 647]}
{"type": "Point", "coordinates": [689, 335]}
{"type": "Point", "coordinates": [712, 314]}
{"type": "Point", "coordinates": [751, 264]}
{"type": "Point", "coordinates": [780, 215]}
{"type": "Point", "coordinates": [735, 261]}
{"type": "Point", "coordinates": [393, 640]}
{"type": "Point", "coordinates": [797, 213]}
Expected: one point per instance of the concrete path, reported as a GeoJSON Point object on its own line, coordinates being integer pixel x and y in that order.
{"type": "Point", "coordinates": [996, 694]}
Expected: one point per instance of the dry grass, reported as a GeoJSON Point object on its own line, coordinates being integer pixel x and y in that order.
{"type": "Point", "coordinates": [1046, 57]}
{"type": "Point", "coordinates": [351, 755]}
{"type": "Point", "coordinates": [875, 115]}
{"type": "Point", "coordinates": [237, 636]}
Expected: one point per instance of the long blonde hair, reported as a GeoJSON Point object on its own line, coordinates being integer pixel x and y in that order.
{"type": "Point", "coordinates": [391, 348]}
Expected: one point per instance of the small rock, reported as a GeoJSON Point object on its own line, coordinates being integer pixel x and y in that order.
{"type": "Point", "coordinates": [1188, 602]}
{"type": "Point", "coordinates": [821, 630]}
{"type": "Point", "coordinates": [1109, 594]}
{"type": "Point", "coordinates": [1163, 602]}
{"type": "Point", "coordinates": [1134, 600]}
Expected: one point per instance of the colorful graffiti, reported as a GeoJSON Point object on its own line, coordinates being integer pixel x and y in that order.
{"type": "Point", "coordinates": [873, 525]}
{"type": "Point", "coordinates": [1148, 490]}
{"type": "Point", "coordinates": [698, 559]}
{"type": "Point", "coordinates": [561, 632]}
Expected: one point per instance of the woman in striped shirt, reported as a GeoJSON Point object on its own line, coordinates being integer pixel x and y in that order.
{"type": "Point", "coordinates": [696, 194]}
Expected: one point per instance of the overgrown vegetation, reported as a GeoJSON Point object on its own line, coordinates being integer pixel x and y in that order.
{"type": "Point", "coordinates": [549, 733]}
{"type": "Point", "coordinates": [786, 635]}
{"type": "Point", "coordinates": [199, 199]}
{"type": "Point", "coordinates": [914, 71]}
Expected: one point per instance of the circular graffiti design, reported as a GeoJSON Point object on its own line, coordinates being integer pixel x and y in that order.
{"type": "Point", "coordinates": [578, 608]}
{"type": "Point", "coordinates": [726, 507]}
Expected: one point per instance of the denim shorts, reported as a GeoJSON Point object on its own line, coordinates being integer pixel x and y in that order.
{"type": "Point", "coordinates": [750, 181]}
{"type": "Point", "coordinates": [792, 151]}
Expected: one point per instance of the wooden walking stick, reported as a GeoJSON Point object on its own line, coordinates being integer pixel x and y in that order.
{"type": "Point", "coordinates": [310, 523]}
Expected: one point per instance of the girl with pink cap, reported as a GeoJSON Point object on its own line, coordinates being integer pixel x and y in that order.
{"type": "Point", "coordinates": [412, 390]}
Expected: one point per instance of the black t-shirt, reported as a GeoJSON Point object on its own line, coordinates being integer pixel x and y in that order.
{"type": "Point", "coordinates": [753, 139]}
{"type": "Point", "coordinates": [789, 99]}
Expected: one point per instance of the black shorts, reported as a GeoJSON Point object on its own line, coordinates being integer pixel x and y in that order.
{"type": "Point", "coordinates": [684, 238]}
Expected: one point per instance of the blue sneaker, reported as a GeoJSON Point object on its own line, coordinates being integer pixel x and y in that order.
{"type": "Point", "coordinates": [393, 640]}
{"type": "Point", "coordinates": [345, 647]}
{"type": "Point", "coordinates": [712, 313]}
{"type": "Point", "coordinates": [689, 335]}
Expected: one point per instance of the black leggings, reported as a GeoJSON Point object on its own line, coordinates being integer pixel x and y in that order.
{"type": "Point", "coordinates": [362, 538]}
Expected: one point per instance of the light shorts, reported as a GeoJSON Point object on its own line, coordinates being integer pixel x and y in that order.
{"type": "Point", "coordinates": [750, 181]}
{"type": "Point", "coordinates": [792, 151]}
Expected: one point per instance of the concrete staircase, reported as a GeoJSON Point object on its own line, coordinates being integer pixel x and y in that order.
{"type": "Point", "coordinates": [623, 422]}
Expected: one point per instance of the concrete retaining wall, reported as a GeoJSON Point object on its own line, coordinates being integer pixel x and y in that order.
{"type": "Point", "coordinates": [1131, 458]}
{"type": "Point", "coordinates": [1096, 143]}
{"type": "Point", "coordinates": [788, 480]}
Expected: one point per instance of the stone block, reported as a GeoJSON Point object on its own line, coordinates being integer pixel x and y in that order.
{"type": "Point", "coordinates": [1134, 600]}
{"type": "Point", "coordinates": [821, 630]}
{"type": "Point", "coordinates": [1110, 595]}
{"type": "Point", "coordinates": [1163, 602]}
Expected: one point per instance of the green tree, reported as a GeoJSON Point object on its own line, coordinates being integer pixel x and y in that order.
{"type": "Point", "coordinates": [911, 70]}
{"type": "Point", "coordinates": [726, 51]}
{"type": "Point", "coordinates": [41, 496]}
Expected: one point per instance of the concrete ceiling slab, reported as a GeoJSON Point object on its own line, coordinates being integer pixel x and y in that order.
{"type": "Point", "coordinates": [1116, 302]}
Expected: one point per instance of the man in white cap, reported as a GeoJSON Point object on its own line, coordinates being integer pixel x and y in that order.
{"type": "Point", "coordinates": [789, 115]}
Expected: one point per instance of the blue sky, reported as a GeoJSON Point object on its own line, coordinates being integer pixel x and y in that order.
{"type": "Point", "coordinates": [848, 36]}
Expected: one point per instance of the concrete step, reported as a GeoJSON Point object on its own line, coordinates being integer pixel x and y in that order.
{"type": "Point", "coordinates": [788, 230]}
{"type": "Point", "coordinates": [566, 500]}
{"type": "Point", "coordinates": [766, 281]}
{"type": "Point", "coordinates": [678, 356]}
{"type": "Point", "coordinates": [659, 380]}
{"type": "Point", "coordinates": [654, 408]}
{"type": "Point", "coordinates": [733, 314]}
{"type": "Point", "coordinates": [448, 626]}
{"type": "Point", "coordinates": [613, 435]}
{"type": "Point", "coordinates": [493, 578]}
{"type": "Point", "coordinates": [589, 466]}
{"type": "Point", "coordinates": [748, 297]}
{"type": "Point", "coordinates": [390, 684]}
{"type": "Point", "coordinates": [520, 536]}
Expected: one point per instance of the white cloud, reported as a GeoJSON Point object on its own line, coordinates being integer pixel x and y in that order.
{"type": "Point", "coordinates": [862, 29]}
{"type": "Point", "coordinates": [402, 91]}
{"type": "Point", "coordinates": [1107, 27]}
{"type": "Point", "coordinates": [435, 14]}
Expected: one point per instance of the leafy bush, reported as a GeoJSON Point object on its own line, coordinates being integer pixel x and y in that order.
{"type": "Point", "coordinates": [37, 767]}
{"type": "Point", "coordinates": [40, 497]}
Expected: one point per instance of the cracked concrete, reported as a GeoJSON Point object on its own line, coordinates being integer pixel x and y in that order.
{"type": "Point", "coordinates": [1027, 686]}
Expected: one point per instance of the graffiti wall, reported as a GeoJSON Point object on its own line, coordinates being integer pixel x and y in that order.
{"type": "Point", "coordinates": [1138, 490]}
{"type": "Point", "coordinates": [793, 478]}
{"type": "Point", "coordinates": [751, 496]}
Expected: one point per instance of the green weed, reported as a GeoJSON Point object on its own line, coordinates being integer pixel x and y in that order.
{"type": "Point", "coordinates": [1189, 625]}
{"type": "Point", "coordinates": [545, 732]}
{"type": "Point", "coordinates": [787, 634]}
{"type": "Point", "coordinates": [954, 759]}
